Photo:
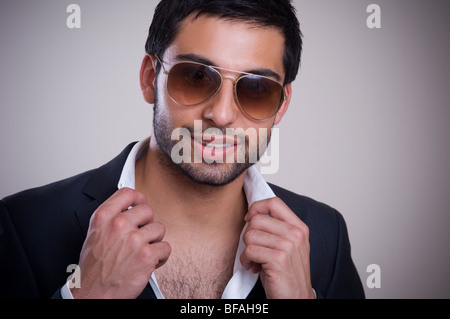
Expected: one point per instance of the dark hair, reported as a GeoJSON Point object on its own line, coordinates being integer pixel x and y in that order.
{"type": "Point", "coordinates": [274, 13]}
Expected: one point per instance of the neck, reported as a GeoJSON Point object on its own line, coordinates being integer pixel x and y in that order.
{"type": "Point", "coordinates": [183, 205]}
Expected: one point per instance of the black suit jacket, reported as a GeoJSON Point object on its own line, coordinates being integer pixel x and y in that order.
{"type": "Point", "coordinates": [42, 231]}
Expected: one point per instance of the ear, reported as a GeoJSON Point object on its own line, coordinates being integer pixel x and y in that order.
{"type": "Point", "coordinates": [147, 78]}
{"type": "Point", "coordinates": [284, 106]}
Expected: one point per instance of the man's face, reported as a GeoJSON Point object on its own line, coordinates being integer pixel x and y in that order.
{"type": "Point", "coordinates": [231, 45]}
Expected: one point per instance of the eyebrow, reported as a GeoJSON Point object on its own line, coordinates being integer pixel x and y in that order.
{"type": "Point", "coordinates": [199, 59]}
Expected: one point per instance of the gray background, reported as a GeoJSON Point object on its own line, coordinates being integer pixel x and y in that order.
{"type": "Point", "coordinates": [367, 131]}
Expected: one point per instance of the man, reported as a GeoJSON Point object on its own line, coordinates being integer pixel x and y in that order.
{"type": "Point", "coordinates": [148, 225]}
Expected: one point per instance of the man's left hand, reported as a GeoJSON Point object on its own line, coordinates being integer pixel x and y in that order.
{"type": "Point", "coordinates": [277, 245]}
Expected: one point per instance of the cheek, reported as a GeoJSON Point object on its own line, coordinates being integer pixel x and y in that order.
{"type": "Point", "coordinates": [164, 106]}
{"type": "Point", "coordinates": [262, 128]}
{"type": "Point", "coordinates": [180, 116]}
{"type": "Point", "coordinates": [258, 132]}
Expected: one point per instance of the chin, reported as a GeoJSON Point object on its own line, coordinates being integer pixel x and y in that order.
{"type": "Point", "coordinates": [213, 174]}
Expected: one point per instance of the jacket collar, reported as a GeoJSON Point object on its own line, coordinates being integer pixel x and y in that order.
{"type": "Point", "coordinates": [101, 185]}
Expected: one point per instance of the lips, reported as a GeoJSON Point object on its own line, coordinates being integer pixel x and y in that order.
{"type": "Point", "coordinates": [214, 141]}
{"type": "Point", "coordinates": [213, 148]}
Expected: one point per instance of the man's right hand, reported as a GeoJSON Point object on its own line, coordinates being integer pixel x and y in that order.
{"type": "Point", "coordinates": [122, 248]}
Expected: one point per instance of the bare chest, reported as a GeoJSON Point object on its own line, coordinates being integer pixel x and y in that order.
{"type": "Point", "coordinates": [196, 272]}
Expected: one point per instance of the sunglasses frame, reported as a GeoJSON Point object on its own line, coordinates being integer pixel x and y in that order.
{"type": "Point", "coordinates": [216, 69]}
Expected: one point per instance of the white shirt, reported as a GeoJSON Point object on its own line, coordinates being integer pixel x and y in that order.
{"type": "Point", "coordinates": [255, 188]}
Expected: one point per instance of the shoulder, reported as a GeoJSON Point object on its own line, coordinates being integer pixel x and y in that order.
{"type": "Point", "coordinates": [310, 211]}
{"type": "Point", "coordinates": [67, 195]}
{"type": "Point", "coordinates": [42, 196]}
{"type": "Point", "coordinates": [45, 214]}
{"type": "Point", "coordinates": [69, 190]}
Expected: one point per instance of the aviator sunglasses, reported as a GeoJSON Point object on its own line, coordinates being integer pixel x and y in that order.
{"type": "Point", "coordinates": [192, 83]}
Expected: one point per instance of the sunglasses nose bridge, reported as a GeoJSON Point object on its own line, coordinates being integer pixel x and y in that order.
{"type": "Point", "coordinates": [225, 107]}
{"type": "Point", "coordinates": [224, 77]}
{"type": "Point", "coordinates": [232, 78]}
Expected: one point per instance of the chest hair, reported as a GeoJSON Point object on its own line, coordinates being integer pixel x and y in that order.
{"type": "Point", "coordinates": [196, 272]}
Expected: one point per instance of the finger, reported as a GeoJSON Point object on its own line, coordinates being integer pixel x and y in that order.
{"type": "Point", "coordinates": [121, 200]}
{"type": "Point", "coordinates": [153, 232]}
{"type": "Point", "coordinates": [140, 215]}
{"type": "Point", "coordinates": [276, 208]}
{"type": "Point", "coordinates": [298, 234]}
{"type": "Point", "coordinates": [151, 256]}
{"type": "Point", "coordinates": [276, 243]}
{"type": "Point", "coordinates": [255, 255]}
{"type": "Point", "coordinates": [269, 225]}
{"type": "Point", "coordinates": [265, 239]}
{"type": "Point", "coordinates": [248, 264]}
{"type": "Point", "coordinates": [163, 250]}
{"type": "Point", "coordinates": [127, 197]}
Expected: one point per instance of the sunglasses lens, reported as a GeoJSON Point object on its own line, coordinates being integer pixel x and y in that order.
{"type": "Point", "coordinates": [190, 84]}
{"type": "Point", "coordinates": [259, 97]}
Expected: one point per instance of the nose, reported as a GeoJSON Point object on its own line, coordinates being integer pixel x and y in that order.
{"type": "Point", "coordinates": [222, 110]}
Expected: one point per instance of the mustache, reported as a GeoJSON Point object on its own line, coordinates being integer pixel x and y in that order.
{"type": "Point", "coordinates": [212, 133]}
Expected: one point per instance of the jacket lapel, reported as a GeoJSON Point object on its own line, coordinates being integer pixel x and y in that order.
{"type": "Point", "coordinates": [100, 186]}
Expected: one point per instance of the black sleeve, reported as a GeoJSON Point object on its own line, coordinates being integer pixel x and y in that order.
{"type": "Point", "coordinates": [16, 276]}
{"type": "Point", "coordinates": [345, 282]}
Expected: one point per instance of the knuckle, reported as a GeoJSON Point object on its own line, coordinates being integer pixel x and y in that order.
{"type": "Point", "coordinates": [250, 250]}
{"type": "Point", "coordinates": [148, 255]}
{"type": "Point", "coordinates": [282, 257]}
{"type": "Point", "coordinates": [99, 216]}
{"type": "Point", "coordinates": [126, 191]}
{"type": "Point", "coordinates": [306, 230]}
{"type": "Point", "coordinates": [277, 200]}
{"type": "Point", "coordinates": [249, 234]}
{"type": "Point", "coordinates": [119, 223]}
{"type": "Point", "coordinates": [146, 252]}
{"type": "Point", "coordinates": [288, 246]}
{"type": "Point", "coordinates": [135, 239]}
{"type": "Point", "coordinates": [96, 219]}
{"type": "Point", "coordinates": [298, 235]}
{"type": "Point", "coordinates": [257, 220]}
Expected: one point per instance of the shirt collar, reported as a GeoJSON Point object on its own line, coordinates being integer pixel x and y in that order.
{"type": "Point", "coordinates": [255, 188]}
